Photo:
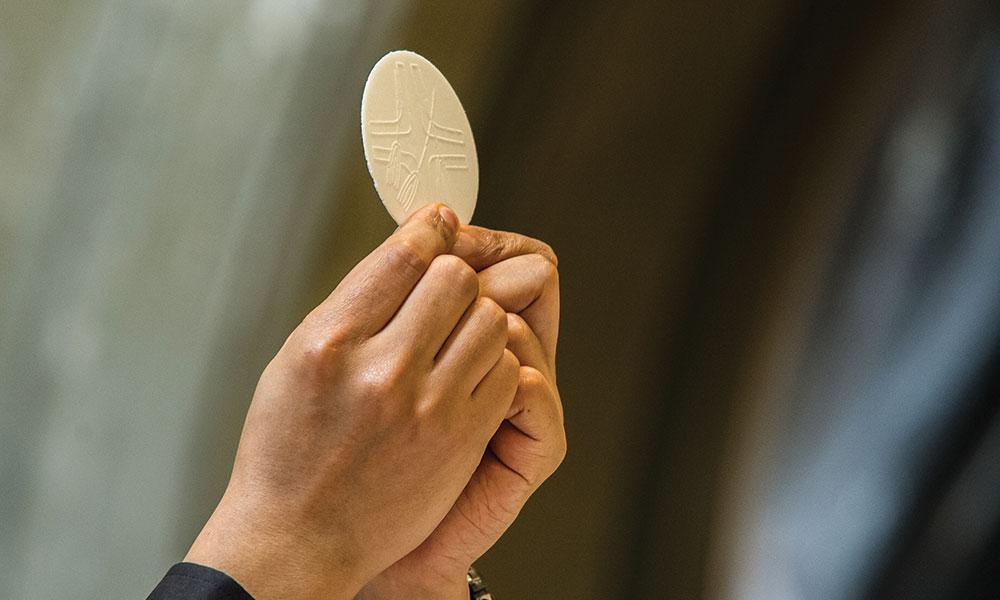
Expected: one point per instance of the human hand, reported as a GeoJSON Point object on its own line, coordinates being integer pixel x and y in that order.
{"type": "Point", "coordinates": [520, 274]}
{"type": "Point", "coordinates": [367, 424]}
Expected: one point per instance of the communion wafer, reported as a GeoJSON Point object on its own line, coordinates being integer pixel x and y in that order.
{"type": "Point", "coordinates": [417, 140]}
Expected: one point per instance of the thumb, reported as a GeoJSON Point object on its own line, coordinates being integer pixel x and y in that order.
{"type": "Point", "coordinates": [482, 248]}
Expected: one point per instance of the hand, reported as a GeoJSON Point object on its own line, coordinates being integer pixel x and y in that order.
{"type": "Point", "coordinates": [520, 274]}
{"type": "Point", "coordinates": [367, 424]}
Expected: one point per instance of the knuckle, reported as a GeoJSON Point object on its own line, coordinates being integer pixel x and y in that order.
{"type": "Point", "coordinates": [402, 255]}
{"type": "Point", "coordinates": [517, 329]}
{"type": "Point", "coordinates": [384, 379]}
{"type": "Point", "coordinates": [319, 348]}
{"type": "Point", "coordinates": [493, 316]}
{"type": "Point", "coordinates": [543, 270]}
{"type": "Point", "coordinates": [467, 280]}
{"type": "Point", "coordinates": [447, 264]}
{"type": "Point", "coordinates": [546, 251]}
{"type": "Point", "coordinates": [532, 380]}
{"type": "Point", "coordinates": [315, 350]}
{"type": "Point", "coordinates": [540, 249]}
{"type": "Point", "coordinates": [426, 412]}
{"type": "Point", "coordinates": [377, 385]}
{"type": "Point", "coordinates": [457, 273]}
{"type": "Point", "coordinates": [504, 373]}
{"type": "Point", "coordinates": [509, 363]}
{"type": "Point", "coordinates": [547, 268]}
{"type": "Point", "coordinates": [493, 246]}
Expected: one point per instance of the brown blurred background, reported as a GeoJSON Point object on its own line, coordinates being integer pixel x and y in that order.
{"type": "Point", "coordinates": [779, 236]}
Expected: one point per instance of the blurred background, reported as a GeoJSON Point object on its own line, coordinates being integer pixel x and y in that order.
{"type": "Point", "coordinates": [779, 235]}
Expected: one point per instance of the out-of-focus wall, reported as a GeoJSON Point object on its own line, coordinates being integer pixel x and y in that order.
{"type": "Point", "coordinates": [756, 205]}
{"type": "Point", "coordinates": [179, 183]}
{"type": "Point", "coordinates": [165, 174]}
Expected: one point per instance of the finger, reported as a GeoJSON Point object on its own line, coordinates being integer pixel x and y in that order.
{"type": "Point", "coordinates": [495, 393]}
{"type": "Point", "coordinates": [529, 285]}
{"type": "Point", "coordinates": [536, 407]}
{"type": "Point", "coordinates": [517, 282]}
{"type": "Point", "coordinates": [532, 439]}
{"type": "Point", "coordinates": [433, 309]}
{"type": "Point", "coordinates": [374, 289]}
{"type": "Point", "coordinates": [474, 347]}
{"type": "Point", "coordinates": [481, 247]}
{"type": "Point", "coordinates": [523, 342]}
{"type": "Point", "coordinates": [543, 319]}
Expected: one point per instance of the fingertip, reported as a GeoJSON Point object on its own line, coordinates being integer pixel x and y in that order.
{"type": "Point", "coordinates": [449, 216]}
{"type": "Point", "coordinates": [517, 328]}
{"type": "Point", "coordinates": [549, 253]}
{"type": "Point", "coordinates": [511, 359]}
{"type": "Point", "coordinates": [531, 379]}
{"type": "Point", "coordinates": [421, 214]}
{"type": "Point", "coordinates": [509, 367]}
{"type": "Point", "coordinates": [497, 314]}
{"type": "Point", "coordinates": [445, 222]}
{"type": "Point", "coordinates": [438, 216]}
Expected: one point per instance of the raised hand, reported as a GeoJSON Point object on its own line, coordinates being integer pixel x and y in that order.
{"type": "Point", "coordinates": [520, 274]}
{"type": "Point", "coordinates": [369, 423]}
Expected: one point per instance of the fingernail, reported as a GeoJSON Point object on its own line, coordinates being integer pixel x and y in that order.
{"type": "Point", "coordinates": [463, 245]}
{"type": "Point", "coordinates": [449, 216]}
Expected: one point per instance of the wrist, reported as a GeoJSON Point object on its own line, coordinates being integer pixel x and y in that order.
{"type": "Point", "coordinates": [269, 560]}
{"type": "Point", "coordinates": [415, 584]}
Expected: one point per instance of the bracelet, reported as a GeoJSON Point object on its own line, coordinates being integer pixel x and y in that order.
{"type": "Point", "coordinates": [477, 589]}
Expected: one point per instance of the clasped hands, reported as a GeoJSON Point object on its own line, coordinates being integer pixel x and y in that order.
{"type": "Point", "coordinates": [403, 424]}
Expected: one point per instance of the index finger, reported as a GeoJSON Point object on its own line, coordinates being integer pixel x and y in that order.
{"type": "Point", "coordinates": [481, 247]}
{"type": "Point", "coordinates": [368, 297]}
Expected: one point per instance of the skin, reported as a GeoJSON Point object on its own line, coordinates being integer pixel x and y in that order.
{"type": "Point", "coordinates": [402, 425]}
{"type": "Point", "coordinates": [520, 274]}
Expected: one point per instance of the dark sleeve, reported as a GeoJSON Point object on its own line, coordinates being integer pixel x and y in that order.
{"type": "Point", "coordinates": [188, 581]}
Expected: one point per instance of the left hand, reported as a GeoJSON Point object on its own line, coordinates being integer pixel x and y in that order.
{"type": "Point", "coordinates": [519, 274]}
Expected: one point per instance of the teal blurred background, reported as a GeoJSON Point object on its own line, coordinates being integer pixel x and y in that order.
{"type": "Point", "coordinates": [779, 235]}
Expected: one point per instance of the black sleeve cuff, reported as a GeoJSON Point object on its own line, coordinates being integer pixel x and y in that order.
{"type": "Point", "coordinates": [188, 581]}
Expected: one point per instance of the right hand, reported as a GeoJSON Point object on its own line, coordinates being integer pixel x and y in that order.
{"type": "Point", "coordinates": [367, 424]}
{"type": "Point", "coordinates": [520, 274]}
